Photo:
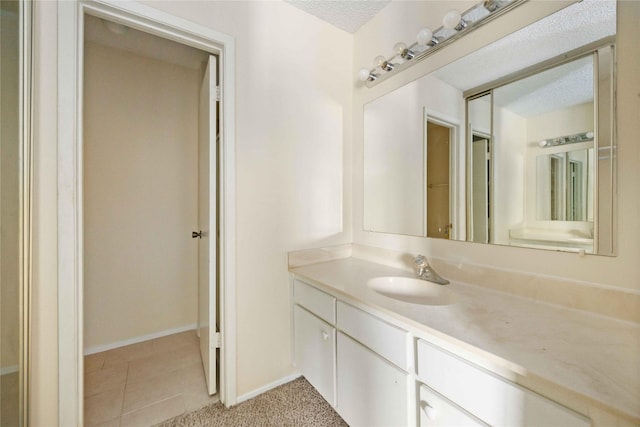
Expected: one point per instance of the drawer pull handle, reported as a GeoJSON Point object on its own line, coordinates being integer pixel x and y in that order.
{"type": "Point", "coordinates": [428, 410]}
{"type": "Point", "coordinates": [325, 335]}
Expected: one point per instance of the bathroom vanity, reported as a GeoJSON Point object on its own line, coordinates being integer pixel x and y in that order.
{"type": "Point", "coordinates": [481, 358]}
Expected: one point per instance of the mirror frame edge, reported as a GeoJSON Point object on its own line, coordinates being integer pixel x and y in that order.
{"type": "Point", "coordinates": [606, 139]}
{"type": "Point", "coordinates": [26, 76]}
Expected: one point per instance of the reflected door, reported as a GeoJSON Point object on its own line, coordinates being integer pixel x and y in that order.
{"type": "Point", "coordinates": [480, 190]}
{"type": "Point", "coordinates": [207, 220]}
{"type": "Point", "coordinates": [438, 145]}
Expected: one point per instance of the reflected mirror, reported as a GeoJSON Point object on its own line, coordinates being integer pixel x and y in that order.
{"type": "Point", "coordinates": [537, 189]}
{"type": "Point", "coordinates": [521, 135]}
{"type": "Point", "coordinates": [564, 186]}
{"type": "Point", "coordinates": [14, 208]}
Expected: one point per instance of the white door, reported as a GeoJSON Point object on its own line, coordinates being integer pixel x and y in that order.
{"type": "Point", "coordinates": [207, 221]}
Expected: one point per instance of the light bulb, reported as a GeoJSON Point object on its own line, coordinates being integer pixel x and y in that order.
{"type": "Point", "coordinates": [542, 144]}
{"type": "Point", "coordinates": [451, 19]}
{"type": "Point", "coordinates": [589, 134]}
{"type": "Point", "coordinates": [381, 62]}
{"type": "Point", "coordinates": [425, 35]}
{"type": "Point", "coordinates": [400, 48]}
{"type": "Point", "coordinates": [363, 74]}
{"type": "Point", "coordinates": [492, 5]}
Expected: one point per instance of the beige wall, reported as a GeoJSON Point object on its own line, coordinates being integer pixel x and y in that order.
{"type": "Point", "coordinates": [140, 196]}
{"type": "Point", "coordinates": [575, 119]}
{"type": "Point", "coordinates": [293, 171]}
{"type": "Point", "coordinates": [508, 151]}
{"type": "Point", "coordinates": [398, 22]}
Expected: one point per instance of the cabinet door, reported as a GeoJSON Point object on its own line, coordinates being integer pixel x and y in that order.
{"type": "Point", "coordinates": [371, 391]}
{"type": "Point", "coordinates": [315, 343]}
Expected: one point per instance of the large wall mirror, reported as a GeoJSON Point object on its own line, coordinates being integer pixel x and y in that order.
{"type": "Point", "coordinates": [15, 134]}
{"type": "Point", "coordinates": [504, 147]}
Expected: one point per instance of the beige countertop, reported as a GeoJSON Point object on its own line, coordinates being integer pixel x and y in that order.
{"type": "Point", "coordinates": [541, 345]}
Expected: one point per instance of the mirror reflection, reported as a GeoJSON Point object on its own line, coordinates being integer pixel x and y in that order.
{"type": "Point", "coordinates": [14, 69]}
{"type": "Point", "coordinates": [522, 131]}
{"type": "Point", "coordinates": [542, 126]}
{"type": "Point", "coordinates": [9, 216]}
{"type": "Point", "coordinates": [480, 212]}
{"type": "Point", "coordinates": [565, 186]}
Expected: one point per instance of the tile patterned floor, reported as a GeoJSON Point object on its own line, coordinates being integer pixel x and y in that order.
{"type": "Point", "coordinates": [145, 383]}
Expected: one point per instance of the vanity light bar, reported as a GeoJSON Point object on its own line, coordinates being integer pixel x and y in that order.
{"type": "Point", "coordinates": [569, 139]}
{"type": "Point", "coordinates": [454, 26]}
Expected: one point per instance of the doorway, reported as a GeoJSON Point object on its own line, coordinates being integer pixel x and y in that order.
{"type": "Point", "coordinates": [150, 151]}
{"type": "Point", "coordinates": [70, 184]}
{"type": "Point", "coordinates": [439, 137]}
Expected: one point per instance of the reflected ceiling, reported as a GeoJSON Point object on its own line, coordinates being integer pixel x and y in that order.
{"type": "Point", "coordinates": [568, 29]}
{"type": "Point", "coordinates": [555, 89]}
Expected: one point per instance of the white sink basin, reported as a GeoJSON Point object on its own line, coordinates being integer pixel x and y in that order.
{"type": "Point", "coordinates": [413, 290]}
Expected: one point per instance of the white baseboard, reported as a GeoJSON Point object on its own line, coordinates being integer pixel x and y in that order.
{"type": "Point", "coordinates": [268, 387]}
{"type": "Point", "coordinates": [8, 370]}
{"type": "Point", "coordinates": [135, 340]}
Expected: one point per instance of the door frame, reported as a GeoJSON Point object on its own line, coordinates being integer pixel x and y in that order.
{"type": "Point", "coordinates": [70, 30]}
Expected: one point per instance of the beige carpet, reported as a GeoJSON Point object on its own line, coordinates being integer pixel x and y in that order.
{"type": "Point", "coordinates": [293, 404]}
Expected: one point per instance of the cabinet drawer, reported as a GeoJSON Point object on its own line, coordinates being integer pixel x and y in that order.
{"type": "Point", "coordinates": [492, 399]}
{"type": "Point", "coordinates": [315, 344]}
{"type": "Point", "coordinates": [437, 411]}
{"type": "Point", "coordinates": [321, 304]}
{"type": "Point", "coordinates": [386, 340]}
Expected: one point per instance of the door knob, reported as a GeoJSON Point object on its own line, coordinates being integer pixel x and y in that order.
{"type": "Point", "coordinates": [197, 234]}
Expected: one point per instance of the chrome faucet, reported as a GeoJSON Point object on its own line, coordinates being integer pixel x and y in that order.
{"type": "Point", "coordinates": [425, 272]}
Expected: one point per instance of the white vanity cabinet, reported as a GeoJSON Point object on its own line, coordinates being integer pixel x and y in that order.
{"type": "Point", "coordinates": [377, 374]}
{"type": "Point", "coordinates": [315, 338]}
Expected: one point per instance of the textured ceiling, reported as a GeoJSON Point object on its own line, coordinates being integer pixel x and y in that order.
{"type": "Point", "coordinates": [572, 27]}
{"type": "Point", "coordinates": [564, 86]}
{"type": "Point", "coordinates": [348, 15]}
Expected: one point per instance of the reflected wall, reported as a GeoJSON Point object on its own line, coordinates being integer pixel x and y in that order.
{"type": "Point", "coordinates": [15, 155]}
{"type": "Point", "coordinates": [9, 212]}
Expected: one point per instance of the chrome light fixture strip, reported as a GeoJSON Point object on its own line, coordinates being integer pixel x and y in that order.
{"type": "Point", "coordinates": [444, 37]}
{"type": "Point", "coordinates": [568, 139]}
